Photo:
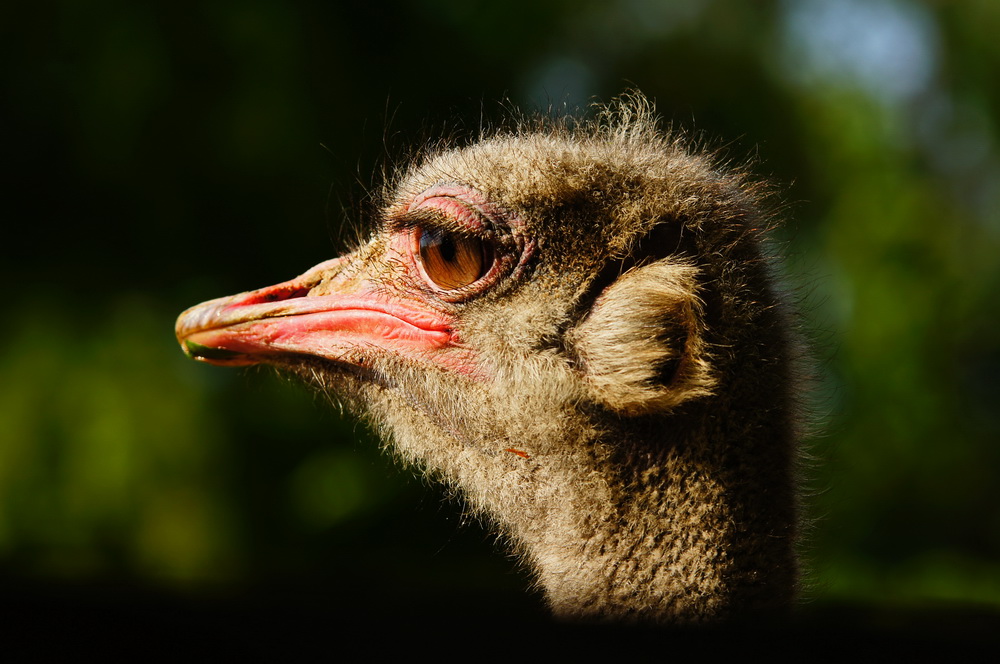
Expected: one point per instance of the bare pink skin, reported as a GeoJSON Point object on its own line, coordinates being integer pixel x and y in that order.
{"type": "Point", "coordinates": [458, 202]}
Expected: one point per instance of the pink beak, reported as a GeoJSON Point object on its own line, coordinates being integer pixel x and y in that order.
{"type": "Point", "coordinates": [350, 319]}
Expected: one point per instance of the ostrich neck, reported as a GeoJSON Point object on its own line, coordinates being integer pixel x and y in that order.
{"type": "Point", "coordinates": [683, 536]}
{"type": "Point", "coordinates": [677, 518]}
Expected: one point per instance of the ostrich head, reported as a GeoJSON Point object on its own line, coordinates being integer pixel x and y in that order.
{"type": "Point", "coordinates": [574, 325]}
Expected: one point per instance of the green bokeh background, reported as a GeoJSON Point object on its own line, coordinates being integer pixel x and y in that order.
{"type": "Point", "coordinates": [160, 154]}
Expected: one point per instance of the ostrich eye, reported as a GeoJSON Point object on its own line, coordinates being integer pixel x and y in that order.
{"type": "Point", "coordinates": [452, 261]}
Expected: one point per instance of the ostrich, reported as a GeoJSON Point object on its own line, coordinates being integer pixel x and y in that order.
{"type": "Point", "coordinates": [574, 324]}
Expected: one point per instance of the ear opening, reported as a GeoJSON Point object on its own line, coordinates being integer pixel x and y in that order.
{"type": "Point", "coordinates": [642, 347]}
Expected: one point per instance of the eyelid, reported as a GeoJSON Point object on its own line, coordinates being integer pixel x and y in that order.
{"type": "Point", "coordinates": [438, 221]}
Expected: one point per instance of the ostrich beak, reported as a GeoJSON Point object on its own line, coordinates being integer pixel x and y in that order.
{"type": "Point", "coordinates": [348, 319]}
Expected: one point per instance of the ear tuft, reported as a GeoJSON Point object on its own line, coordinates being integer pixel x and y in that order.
{"type": "Point", "coordinates": [641, 345]}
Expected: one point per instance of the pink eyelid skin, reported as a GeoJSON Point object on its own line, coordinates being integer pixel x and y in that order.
{"type": "Point", "coordinates": [469, 208]}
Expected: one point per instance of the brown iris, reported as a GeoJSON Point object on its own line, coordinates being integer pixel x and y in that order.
{"type": "Point", "coordinates": [452, 261]}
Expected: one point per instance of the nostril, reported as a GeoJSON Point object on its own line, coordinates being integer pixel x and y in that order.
{"type": "Point", "coordinates": [277, 294]}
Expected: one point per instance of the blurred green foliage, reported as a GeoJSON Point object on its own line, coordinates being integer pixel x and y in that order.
{"type": "Point", "coordinates": [95, 448]}
{"type": "Point", "coordinates": [160, 154]}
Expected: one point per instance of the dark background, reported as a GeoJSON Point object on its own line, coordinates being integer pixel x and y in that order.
{"type": "Point", "coordinates": [160, 154]}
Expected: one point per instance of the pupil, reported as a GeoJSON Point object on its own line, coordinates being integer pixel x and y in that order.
{"type": "Point", "coordinates": [446, 245]}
